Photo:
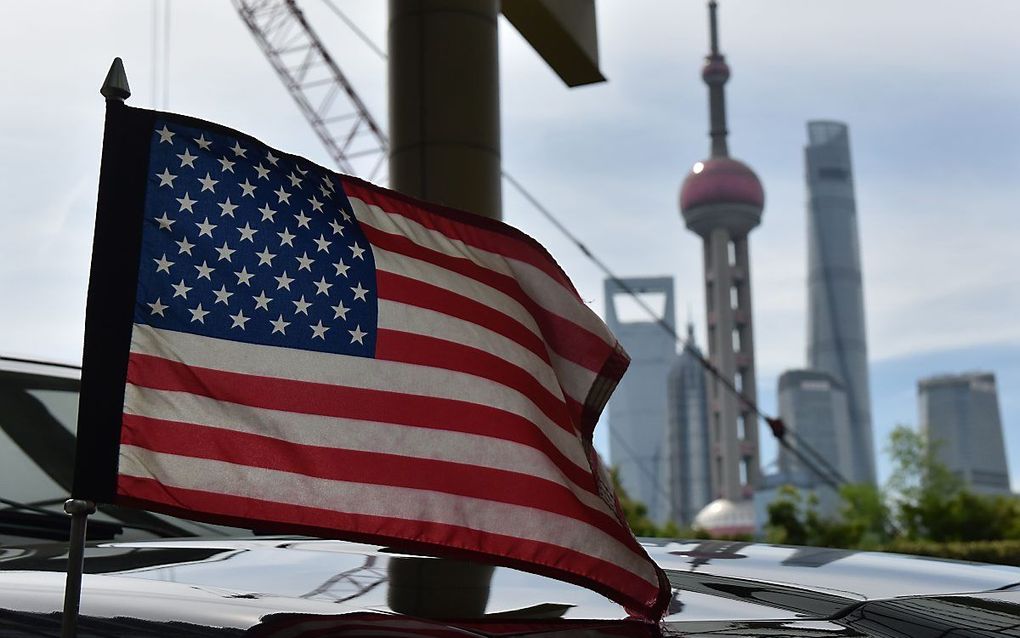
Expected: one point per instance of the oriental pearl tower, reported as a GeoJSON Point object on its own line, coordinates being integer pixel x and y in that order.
{"type": "Point", "coordinates": [722, 200]}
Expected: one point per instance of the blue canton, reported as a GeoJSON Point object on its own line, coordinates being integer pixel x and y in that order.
{"type": "Point", "coordinates": [245, 243]}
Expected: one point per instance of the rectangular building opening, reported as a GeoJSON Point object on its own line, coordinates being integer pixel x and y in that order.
{"type": "Point", "coordinates": [632, 308]}
{"type": "Point", "coordinates": [731, 252]}
{"type": "Point", "coordinates": [735, 297]}
{"type": "Point", "coordinates": [736, 340]}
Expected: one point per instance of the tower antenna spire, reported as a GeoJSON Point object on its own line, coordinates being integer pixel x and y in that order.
{"type": "Point", "coordinates": [713, 25]}
{"type": "Point", "coordinates": [715, 74]}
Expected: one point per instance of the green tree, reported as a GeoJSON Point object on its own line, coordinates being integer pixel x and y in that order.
{"type": "Point", "coordinates": [636, 513]}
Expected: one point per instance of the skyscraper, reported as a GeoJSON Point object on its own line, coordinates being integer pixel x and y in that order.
{"type": "Point", "coordinates": [837, 343]}
{"type": "Point", "coordinates": [639, 411]}
{"type": "Point", "coordinates": [722, 200]}
{"type": "Point", "coordinates": [813, 405]}
{"type": "Point", "coordinates": [959, 414]}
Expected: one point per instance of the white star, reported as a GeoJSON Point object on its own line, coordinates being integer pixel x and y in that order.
{"type": "Point", "coordinates": [157, 308]}
{"type": "Point", "coordinates": [357, 335]}
{"type": "Point", "coordinates": [262, 301]}
{"type": "Point", "coordinates": [164, 222]}
{"type": "Point", "coordinates": [239, 320]}
{"type": "Point", "coordinates": [186, 202]}
{"type": "Point", "coordinates": [359, 293]}
{"type": "Point", "coordinates": [243, 276]}
{"type": "Point", "coordinates": [163, 265]}
{"type": "Point", "coordinates": [326, 186]}
{"type": "Point", "coordinates": [226, 208]}
{"type": "Point", "coordinates": [180, 290]}
{"type": "Point", "coordinates": [325, 191]}
{"type": "Point", "coordinates": [302, 306]}
{"type": "Point", "coordinates": [204, 271]}
{"type": "Point", "coordinates": [300, 170]}
{"type": "Point", "coordinates": [197, 314]}
{"type": "Point", "coordinates": [187, 159]}
{"type": "Point", "coordinates": [279, 325]}
{"type": "Point", "coordinates": [302, 219]}
{"type": "Point", "coordinates": [208, 183]}
{"type": "Point", "coordinates": [226, 164]}
{"type": "Point", "coordinates": [225, 252]}
{"type": "Point", "coordinates": [267, 213]}
{"type": "Point", "coordinates": [294, 180]}
{"type": "Point", "coordinates": [166, 135]}
{"type": "Point", "coordinates": [322, 287]}
{"type": "Point", "coordinates": [238, 151]}
{"type": "Point", "coordinates": [337, 228]}
{"type": "Point", "coordinates": [205, 228]}
{"type": "Point", "coordinates": [344, 214]}
{"type": "Point", "coordinates": [319, 330]}
{"type": "Point", "coordinates": [222, 296]}
{"type": "Point", "coordinates": [249, 189]}
{"type": "Point", "coordinates": [272, 159]}
{"type": "Point", "coordinates": [340, 310]}
{"type": "Point", "coordinates": [202, 142]}
{"type": "Point", "coordinates": [305, 262]}
{"type": "Point", "coordinates": [341, 268]}
{"type": "Point", "coordinates": [266, 257]}
{"type": "Point", "coordinates": [283, 195]}
{"type": "Point", "coordinates": [185, 245]}
{"type": "Point", "coordinates": [322, 243]}
{"type": "Point", "coordinates": [262, 171]}
{"type": "Point", "coordinates": [247, 232]}
{"type": "Point", "coordinates": [316, 204]}
{"type": "Point", "coordinates": [358, 251]}
{"type": "Point", "coordinates": [166, 178]}
{"type": "Point", "coordinates": [286, 237]}
{"type": "Point", "coordinates": [283, 281]}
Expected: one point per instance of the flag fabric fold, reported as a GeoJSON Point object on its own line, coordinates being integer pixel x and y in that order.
{"type": "Point", "coordinates": [274, 345]}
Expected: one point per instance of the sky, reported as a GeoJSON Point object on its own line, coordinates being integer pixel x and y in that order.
{"type": "Point", "coordinates": [927, 87]}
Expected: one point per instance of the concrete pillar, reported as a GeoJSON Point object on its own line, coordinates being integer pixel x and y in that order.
{"type": "Point", "coordinates": [444, 103]}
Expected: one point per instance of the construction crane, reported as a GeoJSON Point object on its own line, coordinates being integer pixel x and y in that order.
{"type": "Point", "coordinates": [326, 98]}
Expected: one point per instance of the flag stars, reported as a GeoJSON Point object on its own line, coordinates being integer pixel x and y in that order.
{"type": "Point", "coordinates": [222, 296]}
{"type": "Point", "coordinates": [247, 232]}
{"type": "Point", "coordinates": [205, 271]}
{"type": "Point", "coordinates": [208, 183]}
{"type": "Point", "coordinates": [280, 326]}
{"type": "Point", "coordinates": [248, 188]}
{"type": "Point", "coordinates": [227, 208]}
{"type": "Point", "coordinates": [302, 306]}
{"type": "Point", "coordinates": [225, 252]}
{"type": "Point", "coordinates": [166, 178]}
{"type": "Point", "coordinates": [180, 290]}
{"type": "Point", "coordinates": [340, 311]}
{"type": "Point", "coordinates": [305, 262]}
{"type": "Point", "coordinates": [186, 203]}
{"type": "Point", "coordinates": [357, 335]}
{"type": "Point", "coordinates": [262, 301]}
{"type": "Point", "coordinates": [187, 159]}
{"type": "Point", "coordinates": [358, 251]}
{"type": "Point", "coordinates": [286, 238]}
{"type": "Point", "coordinates": [315, 204]}
{"type": "Point", "coordinates": [344, 214]}
{"type": "Point", "coordinates": [198, 314]}
{"type": "Point", "coordinates": [295, 181]}
{"type": "Point", "coordinates": [319, 330]}
{"type": "Point", "coordinates": [359, 293]}
{"type": "Point", "coordinates": [325, 191]}
{"type": "Point", "coordinates": [302, 219]}
{"type": "Point", "coordinates": [283, 195]}
{"type": "Point", "coordinates": [243, 276]}
{"type": "Point", "coordinates": [322, 286]}
{"type": "Point", "coordinates": [283, 281]}
{"type": "Point", "coordinates": [166, 135]}
{"type": "Point", "coordinates": [263, 172]}
{"type": "Point", "coordinates": [164, 222]}
{"type": "Point", "coordinates": [272, 159]}
{"type": "Point", "coordinates": [238, 151]}
{"type": "Point", "coordinates": [157, 307]}
{"type": "Point", "coordinates": [239, 320]}
{"type": "Point", "coordinates": [265, 257]}
{"type": "Point", "coordinates": [322, 243]}
{"type": "Point", "coordinates": [337, 228]}
{"type": "Point", "coordinates": [185, 246]}
{"type": "Point", "coordinates": [205, 228]}
{"type": "Point", "coordinates": [163, 264]}
{"type": "Point", "coordinates": [341, 268]}
{"type": "Point", "coordinates": [202, 142]}
{"type": "Point", "coordinates": [267, 213]}
{"type": "Point", "coordinates": [226, 165]}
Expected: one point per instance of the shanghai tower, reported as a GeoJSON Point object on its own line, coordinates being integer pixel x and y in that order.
{"type": "Point", "coordinates": [837, 343]}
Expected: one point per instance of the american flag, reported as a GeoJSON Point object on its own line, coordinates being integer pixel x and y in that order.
{"type": "Point", "coordinates": [310, 352]}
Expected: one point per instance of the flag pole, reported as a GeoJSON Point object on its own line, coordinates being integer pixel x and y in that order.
{"type": "Point", "coordinates": [115, 89]}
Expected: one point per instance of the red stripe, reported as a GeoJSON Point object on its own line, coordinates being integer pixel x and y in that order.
{"type": "Point", "coordinates": [474, 230]}
{"type": "Point", "coordinates": [556, 561]}
{"type": "Point", "coordinates": [405, 347]}
{"type": "Point", "coordinates": [368, 468]}
{"type": "Point", "coordinates": [417, 293]}
{"type": "Point", "coordinates": [305, 397]}
{"type": "Point", "coordinates": [568, 339]}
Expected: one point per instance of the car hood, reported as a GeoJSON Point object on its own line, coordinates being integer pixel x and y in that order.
{"type": "Point", "coordinates": [300, 586]}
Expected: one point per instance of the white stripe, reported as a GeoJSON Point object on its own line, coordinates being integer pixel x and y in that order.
{"type": "Point", "coordinates": [352, 434]}
{"type": "Point", "coordinates": [381, 500]}
{"type": "Point", "coordinates": [356, 372]}
{"type": "Point", "coordinates": [575, 379]}
{"type": "Point", "coordinates": [422, 321]}
{"type": "Point", "coordinates": [546, 291]}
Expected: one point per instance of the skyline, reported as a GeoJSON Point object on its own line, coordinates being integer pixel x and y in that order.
{"type": "Point", "coordinates": [935, 136]}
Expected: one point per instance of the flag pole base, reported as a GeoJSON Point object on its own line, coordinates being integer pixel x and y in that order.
{"type": "Point", "coordinates": [79, 510]}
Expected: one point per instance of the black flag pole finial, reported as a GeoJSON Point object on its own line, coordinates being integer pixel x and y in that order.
{"type": "Point", "coordinates": [115, 86]}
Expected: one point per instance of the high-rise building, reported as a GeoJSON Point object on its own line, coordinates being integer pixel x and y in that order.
{"type": "Point", "coordinates": [837, 343]}
{"type": "Point", "coordinates": [639, 409]}
{"type": "Point", "coordinates": [959, 414]}
{"type": "Point", "coordinates": [722, 200]}
{"type": "Point", "coordinates": [813, 406]}
{"type": "Point", "coordinates": [686, 471]}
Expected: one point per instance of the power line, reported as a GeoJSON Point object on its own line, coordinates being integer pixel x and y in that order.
{"type": "Point", "coordinates": [354, 28]}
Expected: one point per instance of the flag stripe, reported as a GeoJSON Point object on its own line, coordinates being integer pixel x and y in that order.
{"type": "Point", "coordinates": [367, 436]}
{"type": "Point", "coordinates": [356, 466]}
{"type": "Point", "coordinates": [411, 514]}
